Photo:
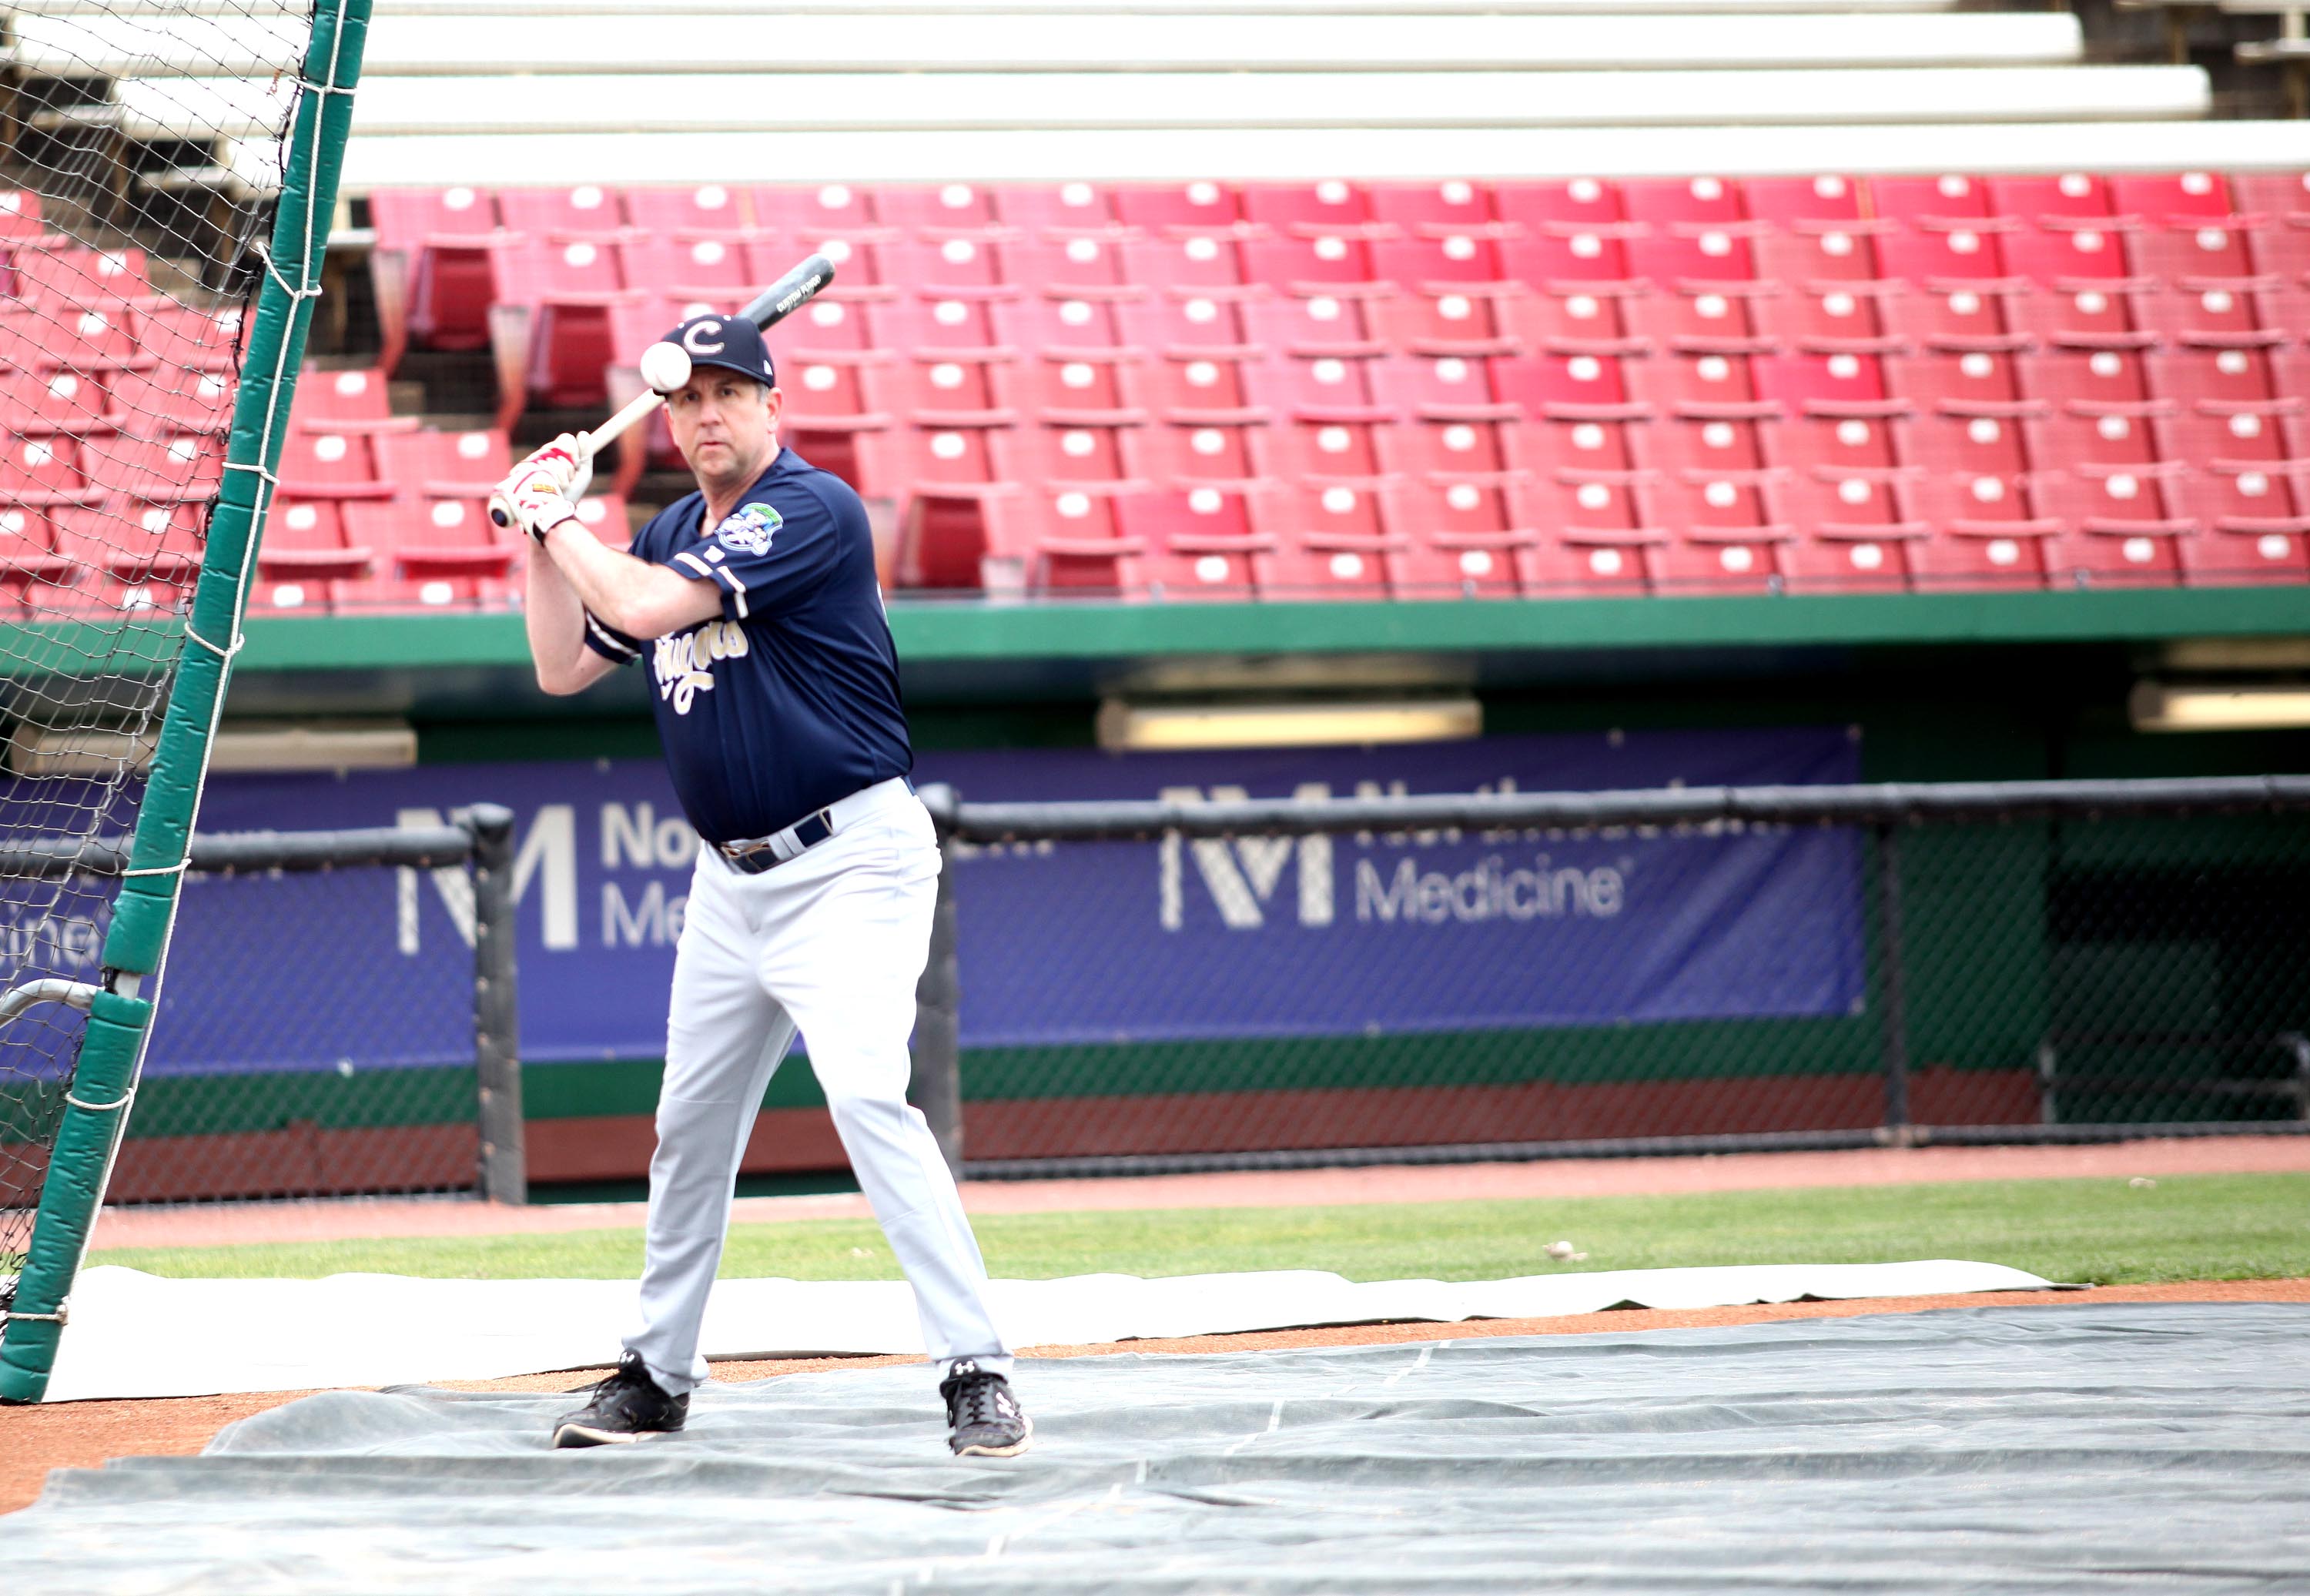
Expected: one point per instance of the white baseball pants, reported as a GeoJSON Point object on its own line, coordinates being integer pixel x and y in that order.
{"type": "Point", "coordinates": [830, 942]}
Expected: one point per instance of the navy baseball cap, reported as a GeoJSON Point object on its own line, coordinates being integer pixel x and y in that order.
{"type": "Point", "coordinates": [730, 342]}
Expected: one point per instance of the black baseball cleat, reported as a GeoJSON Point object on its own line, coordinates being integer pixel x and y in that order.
{"type": "Point", "coordinates": [983, 1417]}
{"type": "Point", "coordinates": [627, 1406]}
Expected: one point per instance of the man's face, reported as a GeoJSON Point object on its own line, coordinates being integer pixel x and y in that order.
{"type": "Point", "coordinates": [725, 425]}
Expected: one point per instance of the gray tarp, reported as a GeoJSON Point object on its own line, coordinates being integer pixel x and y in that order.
{"type": "Point", "coordinates": [2073, 1448]}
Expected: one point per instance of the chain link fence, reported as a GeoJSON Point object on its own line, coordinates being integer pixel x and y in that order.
{"type": "Point", "coordinates": [1273, 983]}
{"type": "Point", "coordinates": [280, 1065]}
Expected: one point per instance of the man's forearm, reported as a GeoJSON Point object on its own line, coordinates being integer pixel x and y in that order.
{"type": "Point", "coordinates": [639, 599]}
{"type": "Point", "coordinates": [556, 624]}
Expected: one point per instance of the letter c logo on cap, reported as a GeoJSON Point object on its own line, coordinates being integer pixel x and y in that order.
{"type": "Point", "coordinates": [694, 339]}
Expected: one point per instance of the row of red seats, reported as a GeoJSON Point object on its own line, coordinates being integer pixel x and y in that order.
{"type": "Point", "coordinates": [1480, 539]}
{"type": "Point", "coordinates": [317, 555]}
{"type": "Point", "coordinates": [404, 217]}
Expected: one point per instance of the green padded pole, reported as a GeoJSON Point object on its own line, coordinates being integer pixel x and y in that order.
{"type": "Point", "coordinates": [112, 1051]}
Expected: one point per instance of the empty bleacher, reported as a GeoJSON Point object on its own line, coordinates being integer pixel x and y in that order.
{"type": "Point", "coordinates": [1514, 345]}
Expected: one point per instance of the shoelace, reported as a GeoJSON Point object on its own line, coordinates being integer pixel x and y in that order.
{"type": "Point", "coordinates": [626, 1375]}
{"type": "Point", "coordinates": [979, 1399]}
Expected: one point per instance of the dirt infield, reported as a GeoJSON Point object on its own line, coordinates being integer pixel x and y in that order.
{"type": "Point", "coordinates": [362, 1218]}
{"type": "Point", "coordinates": [83, 1435]}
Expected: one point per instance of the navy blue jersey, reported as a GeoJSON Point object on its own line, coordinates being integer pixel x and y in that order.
{"type": "Point", "coordinates": [790, 700]}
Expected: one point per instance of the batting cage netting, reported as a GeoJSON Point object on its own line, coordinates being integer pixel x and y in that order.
{"type": "Point", "coordinates": [169, 175]}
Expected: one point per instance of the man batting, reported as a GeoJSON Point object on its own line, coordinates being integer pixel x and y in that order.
{"type": "Point", "coordinates": [755, 604]}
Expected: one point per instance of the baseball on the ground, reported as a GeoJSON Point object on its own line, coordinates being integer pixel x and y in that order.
{"type": "Point", "coordinates": [665, 366]}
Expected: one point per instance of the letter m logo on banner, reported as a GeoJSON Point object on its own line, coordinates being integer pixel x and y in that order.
{"type": "Point", "coordinates": [1242, 873]}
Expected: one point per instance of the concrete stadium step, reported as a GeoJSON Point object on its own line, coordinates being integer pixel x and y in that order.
{"type": "Point", "coordinates": [1373, 154]}
{"type": "Point", "coordinates": [633, 103]}
{"type": "Point", "coordinates": [482, 44]}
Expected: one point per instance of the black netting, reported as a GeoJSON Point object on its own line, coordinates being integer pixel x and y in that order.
{"type": "Point", "coordinates": [138, 164]}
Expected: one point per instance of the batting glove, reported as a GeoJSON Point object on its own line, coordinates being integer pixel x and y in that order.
{"type": "Point", "coordinates": [543, 491]}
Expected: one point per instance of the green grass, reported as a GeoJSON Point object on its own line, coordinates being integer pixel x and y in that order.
{"type": "Point", "coordinates": [2186, 1228]}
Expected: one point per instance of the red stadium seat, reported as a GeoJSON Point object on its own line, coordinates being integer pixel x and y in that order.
{"type": "Point", "coordinates": [1569, 565]}
{"type": "Point", "coordinates": [303, 562]}
{"type": "Point", "coordinates": [822, 330]}
{"type": "Point", "coordinates": [2227, 377]}
{"type": "Point", "coordinates": [1672, 202]}
{"type": "Point", "coordinates": [1055, 541]}
{"type": "Point", "coordinates": [1834, 255]}
{"type": "Point", "coordinates": [1873, 564]}
{"type": "Point", "coordinates": [175, 337]}
{"type": "Point", "coordinates": [1183, 327]}
{"type": "Point", "coordinates": [1465, 541]}
{"type": "Point", "coordinates": [1939, 259]}
{"type": "Point", "coordinates": [1195, 543]}
{"type": "Point", "coordinates": [1839, 443]}
{"type": "Point", "coordinates": [1553, 260]}
{"type": "Point", "coordinates": [1170, 454]}
{"type": "Point", "coordinates": [354, 401]}
{"type": "Point", "coordinates": [2062, 439]}
{"type": "Point", "coordinates": [1584, 446]}
{"type": "Point", "coordinates": [1600, 507]}
{"type": "Point", "coordinates": [1678, 446]}
{"type": "Point", "coordinates": [1200, 392]}
{"type": "Point", "coordinates": [1320, 451]}
{"type": "Point", "coordinates": [1988, 446]}
{"type": "Point", "coordinates": [900, 461]}
{"type": "Point", "coordinates": [1569, 387]}
{"type": "Point", "coordinates": [1079, 456]}
{"type": "Point", "coordinates": [2072, 195]}
{"type": "Point", "coordinates": [937, 393]}
{"type": "Point", "coordinates": [2208, 248]}
{"type": "Point", "coordinates": [1575, 321]}
{"type": "Point", "coordinates": [1710, 321]}
{"type": "Point", "coordinates": [1327, 263]}
{"type": "Point", "coordinates": [134, 542]}
{"type": "Point", "coordinates": [1574, 201]}
{"type": "Point", "coordinates": [2118, 531]}
{"type": "Point", "coordinates": [53, 279]}
{"type": "Point", "coordinates": [1977, 505]}
{"type": "Point", "coordinates": [330, 465]}
{"type": "Point", "coordinates": [1449, 323]}
{"type": "Point", "coordinates": [440, 464]}
{"type": "Point", "coordinates": [432, 266]}
{"type": "Point", "coordinates": [2227, 437]}
{"type": "Point", "coordinates": [2249, 530]}
{"type": "Point", "coordinates": [1795, 202]}
{"type": "Point", "coordinates": [956, 264]}
{"type": "Point", "coordinates": [1908, 199]}
{"type": "Point", "coordinates": [1445, 449]}
{"type": "Point", "coordinates": [2165, 199]}
{"type": "Point", "coordinates": [83, 338]}
{"type": "Point", "coordinates": [1956, 315]}
{"type": "Point", "coordinates": [1332, 205]}
{"type": "Point", "coordinates": [937, 327]}
{"type": "Point", "coordinates": [42, 472]}
{"type": "Point", "coordinates": [1041, 207]}
{"type": "Point", "coordinates": [717, 270]}
{"type": "Point", "coordinates": [1433, 210]}
{"type": "Point", "coordinates": [586, 210]}
{"type": "Point", "coordinates": [1318, 325]}
{"type": "Point", "coordinates": [1069, 391]}
{"type": "Point", "coordinates": [187, 467]}
{"type": "Point", "coordinates": [1083, 265]}
{"type": "Point", "coordinates": [1164, 207]}
{"type": "Point", "coordinates": [20, 216]}
{"type": "Point", "coordinates": [1708, 568]}
{"type": "Point", "coordinates": [1089, 328]}
{"type": "Point", "coordinates": [933, 208]}
{"type": "Point", "coordinates": [1708, 387]}
{"type": "Point", "coordinates": [708, 210]}
{"type": "Point", "coordinates": [1976, 382]}
{"type": "Point", "coordinates": [1325, 388]}
{"type": "Point", "coordinates": [1436, 266]}
{"type": "Point", "coordinates": [35, 401]}
{"type": "Point", "coordinates": [1848, 508]}
{"type": "Point", "coordinates": [1202, 263]}
{"type": "Point", "coordinates": [1445, 388]}
{"type": "Point", "coordinates": [806, 214]}
{"type": "Point", "coordinates": [2212, 313]}
{"type": "Point", "coordinates": [1822, 317]}
{"type": "Point", "coordinates": [428, 554]}
{"type": "Point", "coordinates": [2000, 560]}
{"type": "Point", "coordinates": [1728, 508]}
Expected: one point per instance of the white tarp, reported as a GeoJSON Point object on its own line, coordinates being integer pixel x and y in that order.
{"type": "Point", "coordinates": [138, 1335]}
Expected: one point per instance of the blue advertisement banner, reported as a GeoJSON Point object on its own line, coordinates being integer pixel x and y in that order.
{"type": "Point", "coordinates": [1083, 942]}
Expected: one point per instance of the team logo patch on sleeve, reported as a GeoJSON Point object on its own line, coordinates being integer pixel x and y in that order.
{"type": "Point", "coordinates": [751, 529]}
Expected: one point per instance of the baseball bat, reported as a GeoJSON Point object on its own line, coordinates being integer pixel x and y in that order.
{"type": "Point", "coordinates": [772, 306]}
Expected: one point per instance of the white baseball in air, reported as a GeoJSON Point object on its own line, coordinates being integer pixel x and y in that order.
{"type": "Point", "coordinates": [665, 366]}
